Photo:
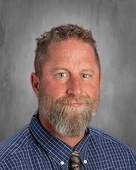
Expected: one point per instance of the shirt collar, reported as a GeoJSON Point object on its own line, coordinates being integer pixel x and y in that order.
{"type": "Point", "coordinates": [56, 148]}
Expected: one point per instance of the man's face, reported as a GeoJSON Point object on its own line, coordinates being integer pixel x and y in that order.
{"type": "Point", "coordinates": [69, 87]}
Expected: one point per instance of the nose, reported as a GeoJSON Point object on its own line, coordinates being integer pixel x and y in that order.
{"type": "Point", "coordinates": [74, 87]}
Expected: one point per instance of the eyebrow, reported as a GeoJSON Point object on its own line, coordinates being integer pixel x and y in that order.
{"type": "Point", "coordinates": [84, 70]}
{"type": "Point", "coordinates": [88, 70]}
{"type": "Point", "coordinates": [59, 68]}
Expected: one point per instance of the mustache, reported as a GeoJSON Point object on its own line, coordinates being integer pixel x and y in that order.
{"type": "Point", "coordinates": [72, 99]}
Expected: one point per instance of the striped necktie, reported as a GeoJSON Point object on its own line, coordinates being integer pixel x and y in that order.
{"type": "Point", "coordinates": [75, 161]}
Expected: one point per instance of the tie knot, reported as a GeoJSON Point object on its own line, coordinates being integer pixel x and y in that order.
{"type": "Point", "coordinates": [75, 161]}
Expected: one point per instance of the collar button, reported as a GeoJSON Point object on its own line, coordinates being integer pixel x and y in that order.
{"type": "Point", "coordinates": [85, 161]}
{"type": "Point", "coordinates": [62, 163]}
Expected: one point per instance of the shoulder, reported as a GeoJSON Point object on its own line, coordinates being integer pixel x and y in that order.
{"type": "Point", "coordinates": [15, 143]}
{"type": "Point", "coordinates": [110, 144]}
{"type": "Point", "coordinates": [103, 137]}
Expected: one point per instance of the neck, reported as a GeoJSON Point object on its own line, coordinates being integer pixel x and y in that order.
{"type": "Point", "coordinates": [71, 141]}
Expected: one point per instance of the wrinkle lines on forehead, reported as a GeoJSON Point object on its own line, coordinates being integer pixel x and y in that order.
{"type": "Point", "coordinates": [69, 45]}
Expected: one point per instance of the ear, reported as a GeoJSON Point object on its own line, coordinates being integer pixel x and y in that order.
{"type": "Point", "coordinates": [35, 83]}
{"type": "Point", "coordinates": [100, 79]}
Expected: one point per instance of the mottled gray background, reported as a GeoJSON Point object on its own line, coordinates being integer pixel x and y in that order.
{"type": "Point", "coordinates": [113, 23]}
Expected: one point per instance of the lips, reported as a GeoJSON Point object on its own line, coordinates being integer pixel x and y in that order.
{"type": "Point", "coordinates": [74, 104]}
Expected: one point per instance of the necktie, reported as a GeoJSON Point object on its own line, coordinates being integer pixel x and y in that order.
{"type": "Point", "coordinates": [75, 161]}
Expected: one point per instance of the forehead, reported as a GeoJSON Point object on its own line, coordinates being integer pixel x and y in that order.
{"type": "Point", "coordinates": [69, 48]}
{"type": "Point", "coordinates": [71, 54]}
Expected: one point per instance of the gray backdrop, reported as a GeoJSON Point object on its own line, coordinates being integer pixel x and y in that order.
{"type": "Point", "coordinates": [113, 23]}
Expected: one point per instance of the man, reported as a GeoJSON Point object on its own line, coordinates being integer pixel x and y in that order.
{"type": "Point", "coordinates": [66, 82]}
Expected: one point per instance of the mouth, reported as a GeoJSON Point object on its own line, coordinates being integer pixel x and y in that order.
{"type": "Point", "coordinates": [74, 104]}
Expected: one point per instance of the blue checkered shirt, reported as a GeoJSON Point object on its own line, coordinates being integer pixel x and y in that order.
{"type": "Point", "coordinates": [34, 148]}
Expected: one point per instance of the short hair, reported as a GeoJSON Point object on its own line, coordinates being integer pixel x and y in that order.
{"type": "Point", "coordinates": [59, 34]}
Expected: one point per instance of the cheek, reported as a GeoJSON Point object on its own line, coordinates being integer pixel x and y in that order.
{"type": "Point", "coordinates": [56, 91]}
{"type": "Point", "coordinates": [92, 90]}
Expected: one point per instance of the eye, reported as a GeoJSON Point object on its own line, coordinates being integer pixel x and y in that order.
{"type": "Point", "coordinates": [61, 75]}
{"type": "Point", "coordinates": [85, 75]}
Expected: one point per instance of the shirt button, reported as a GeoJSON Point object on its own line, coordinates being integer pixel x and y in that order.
{"type": "Point", "coordinates": [85, 161]}
{"type": "Point", "coordinates": [62, 163]}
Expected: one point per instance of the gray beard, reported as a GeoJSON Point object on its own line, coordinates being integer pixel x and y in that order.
{"type": "Point", "coordinates": [65, 120]}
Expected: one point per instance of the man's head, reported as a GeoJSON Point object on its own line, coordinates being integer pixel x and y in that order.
{"type": "Point", "coordinates": [67, 79]}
